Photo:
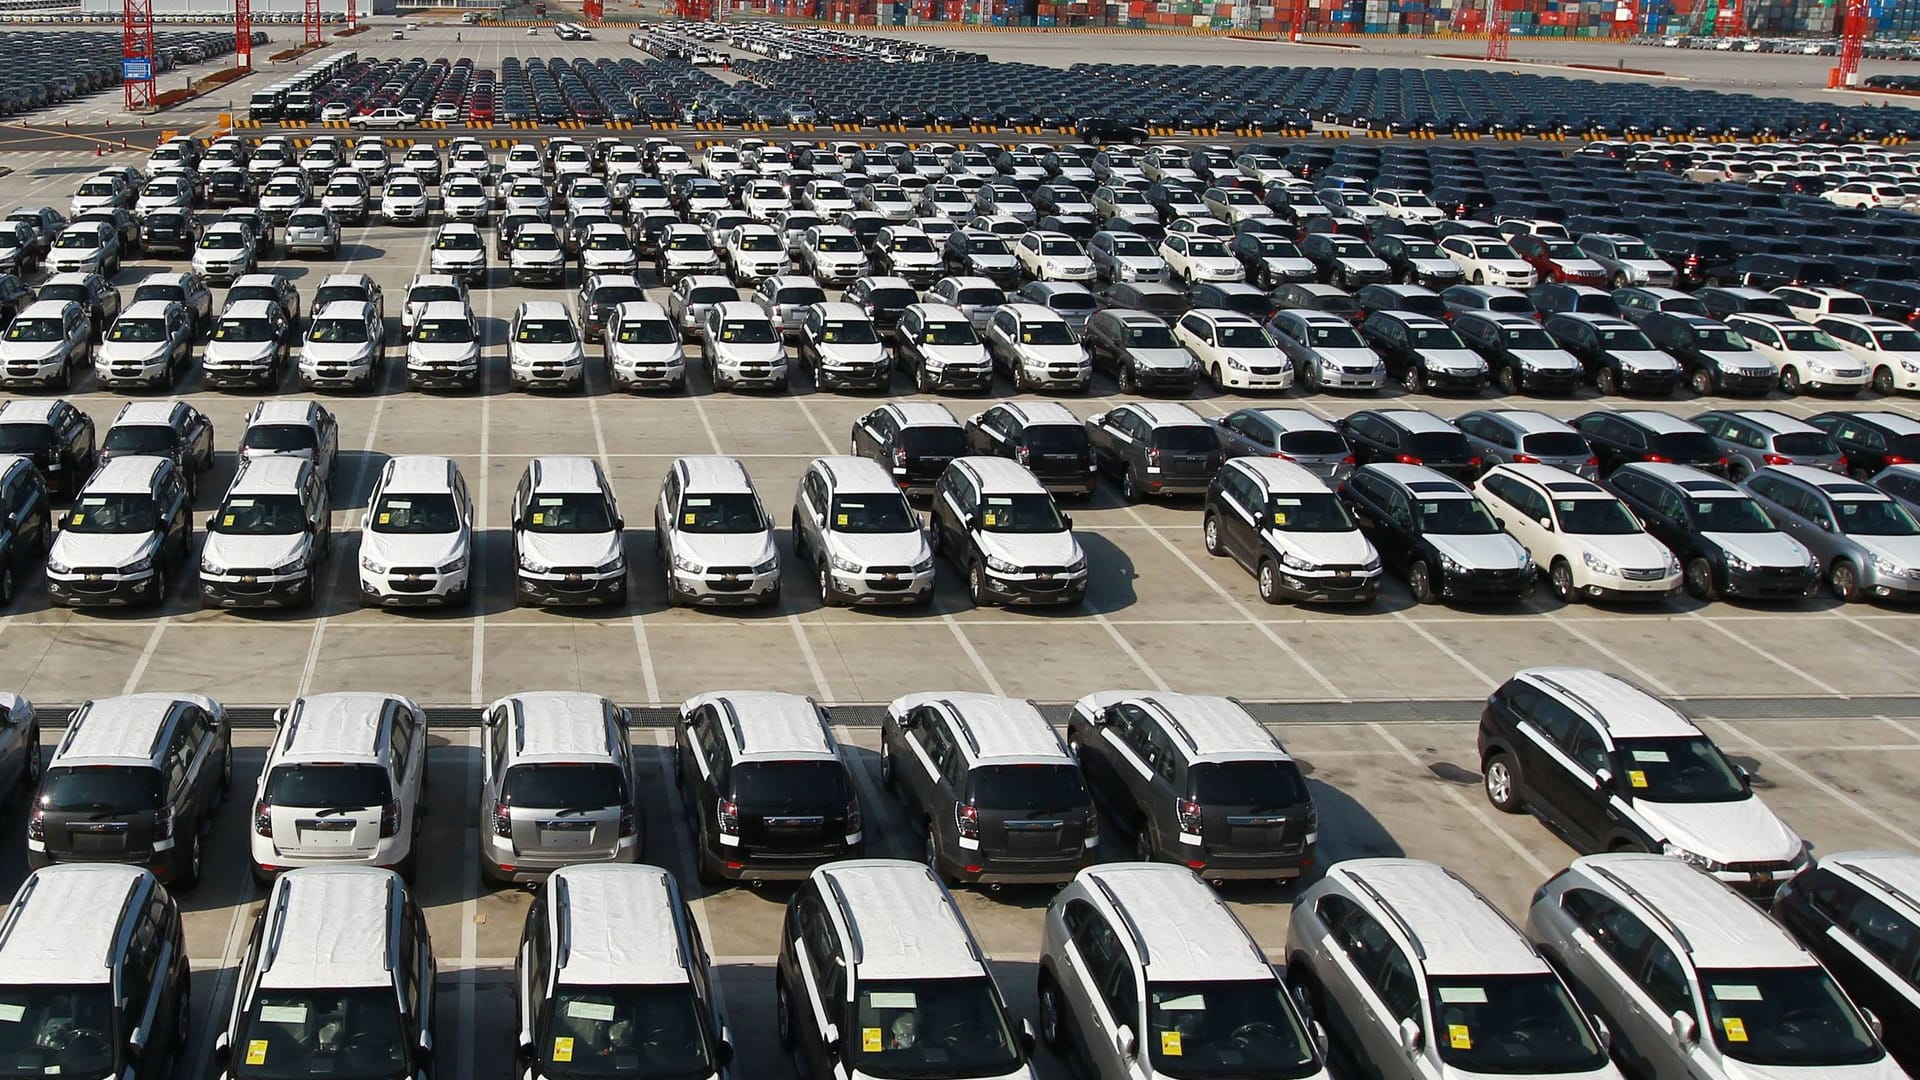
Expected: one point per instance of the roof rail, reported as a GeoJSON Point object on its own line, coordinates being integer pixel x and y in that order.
{"type": "Point", "coordinates": [1619, 883]}
{"type": "Point", "coordinates": [1504, 917]}
{"type": "Point", "coordinates": [733, 723]}
{"type": "Point", "coordinates": [1126, 918]}
{"type": "Point", "coordinates": [1174, 723]}
{"type": "Point", "coordinates": [846, 916]}
{"type": "Point", "coordinates": [563, 899]}
{"type": "Point", "coordinates": [966, 729]}
{"type": "Point", "coordinates": [1419, 949]}
{"type": "Point", "coordinates": [19, 905]}
{"type": "Point", "coordinates": [277, 927]}
{"type": "Point", "coordinates": [396, 912]}
{"type": "Point", "coordinates": [1880, 883]}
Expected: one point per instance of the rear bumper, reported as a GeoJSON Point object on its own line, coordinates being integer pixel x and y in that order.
{"type": "Point", "coordinates": [983, 868]}
{"type": "Point", "coordinates": [167, 864]}
{"type": "Point", "coordinates": [746, 864]}
{"type": "Point", "coordinates": [1230, 866]}
{"type": "Point", "coordinates": [523, 868]}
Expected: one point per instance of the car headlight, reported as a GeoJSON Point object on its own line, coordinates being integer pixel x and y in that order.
{"type": "Point", "coordinates": [1235, 364]}
{"type": "Point", "coordinates": [138, 566]}
{"type": "Point", "coordinates": [211, 568]}
{"type": "Point", "coordinates": [1737, 564]}
{"type": "Point", "coordinates": [1887, 567]}
{"type": "Point", "coordinates": [924, 566]}
{"type": "Point", "coordinates": [372, 565]}
{"type": "Point", "coordinates": [1001, 566]}
{"type": "Point", "coordinates": [1077, 565]}
{"type": "Point", "coordinates": [686, 565]}
{"type": "Point", "coordinates": [844, 565]}
{"type": "Point", "coordinates": [1910, 367]}
{"type": "Point", "coordinates": [1673, 564]}
{"type": "Point", "coordinates": [1450, 565]}
{"type": "Point", "coordinates": [57, 567]}
{"type": "Point", "coordinates": [533, 565]}
{"type": "Point", "coordinates": [1691, 858]}
{"type": "Point", "coordinates": [767, 567]}
{"type": "Point", "coordinates": [611, 566]}
{"type": "Point", "coordinates": [451, 566]}
{"type": "Point", "coordinates": [1595, 563]}
{"type": "Point", "coordinates": [1295, 562]}
{"type": "Point", "coordinates": [292, 566]}
{"type": "Point", "coordinates": [1372, 564]}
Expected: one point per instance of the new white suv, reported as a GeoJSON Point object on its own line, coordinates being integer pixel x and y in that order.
{"type": "Point", "coordinates": [715, 539]}
{"type": "Point", "coordinates": [643, 348]}
{"type": "Point", "coordinates": [443, 348]}
{"type": "Point", "coordinates": [865, 543]}
{"type": "Point", "coordinates": [341, 785]}
{"type": "Point", "coordinates": [416, 539]}
{"type": "Point", "coordinates": [568, 545]}
{"type": "Point", "coordinates": [544, 351]}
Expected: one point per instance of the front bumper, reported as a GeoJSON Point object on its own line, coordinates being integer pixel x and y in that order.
{"type": "Point", "coordinates": [291, 590]}
{"type": "Point", "coordinates": [1035, 590]}
{"type": "Point", "coordinates": [237, 377]}
{"type": "Point", "coordinates": [1265, 377]}
{"type": "Point", "coordinates": [102, 590]}
{"type": "Point", "coordinates": [1651, 383]}
{"type": "Point", "coordinates": [639, 376]}
{"type": "Point", "coordinates": [1333, 378]}
{"type": "Point", "coordinates": [1453, 381]}
{"type": "Point", "coordinates": [869, 589]}
{"type": "Point", "coordinates": [156, 374]}
{"type": "Point", "coordinates": [1755, 385]}
{"type": "Point", "coordinates": [443, 376]}
{"type": "Point", "coordinates": [874, 376]}
{"type": "Point", "coordinates": [568, 590]}
{"type": "Point", "coordinates": [24, 375]}
{"type": "Point", "coordinates": [547, 376]}
{"type": "Point", "coordinates": [343, 375]}
{"type": "Point", "coordinates": [399, 589]}
{"type": "Point", "coordinates": [962, 377]}
{"type": "Point", "coordinates": [1614, 587]}
{"type": "Point", "coordinates": [720, 590]}
{"type": "Point", "coordinates": [1488, 586]}
{"type": "Point", "coordinates": [1330, 586]}
{"type": "Point", "coordinates": [549, 273]}
{"type": "Point", "coordinates": [762, 375]}
{"type": "Point", "coordinates": [1768, 582]}
{"type": "Point", "coordinates": [1548, 382]}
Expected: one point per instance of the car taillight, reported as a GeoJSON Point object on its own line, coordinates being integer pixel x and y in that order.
{"type": "Point", "coordinates": [1348, 460]}
{"type": "Point", "coordinates": [1021, 454]}
{"type": "Point", "coordinates": [1520, 459]}
{"type": "Point", "coordinates": [1153, 455]}
{"type": "Point", "coordinates": [1593, 463]}
{"type": "Point", "coordinates": [163, 824]}
{"type": "Point", "coordinates": [629, 821]}
{"type": "Point", "coordinates": [1474, 461]}
{"type": "Point", "coordinates": [1896, 459]}
{"type": "Point", "coordinates": [1191, 820]}
{"type": "Point", "coordinates": [1841, 465]}
{"type": "Point", "coordinates": [966, 818]}
{"type": "Point", "coordinates": [899, 456]}
{"type": "Point", "coordinates": [502, 819]}
{"type": "Point", "coordinates": [37, 824]}
{"type": "Point", "coordinates": [263, 818]}
{"type": "Point", "coordinates": [854, 820]}
{"type": "Point", "coordinates": [390, 820]}
{"type": "Point", "coordinates": [1408, 459]}
{"type": "Point", "coordinates": [1776, 459]}
{"type": "Point", "coordinates": [1281, 456]}
{"type": "Point", "coordinates": [1662, 459]}
{"type": "Point", "coordinates": [726, 815]}
{"type": "Point", "coordinates": [1693, 261]}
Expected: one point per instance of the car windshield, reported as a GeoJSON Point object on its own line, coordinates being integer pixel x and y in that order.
{"type": "Point", "coordinates": [1335, 337]}
{"type": "Point", "coordinates": [113, 513]}
{"type": "Point", "coordinates": [1225, 1030]}
{"type": "Point", "coordinates": [1139, 248]}
{"type": "Point", "coordinates": [1809, 341]}
{"type": "Point", "coordinates": [721, 512]}
{"type": "Point", "coordinates": [459, 241]}
{"type": "Point", "coordinates": [1243, 337]}
{"type": "Point", "coordinates": [1897, 340]}
{"type": "Point", "coordinates": [285, 189]}
{"type": "Point", "coordinates": [1455, 516]}
{"type": "Point", "coordinates": [1151, 336]}
{"type": "Point", "coordinates": [36, 330]}
{"type": "Point", "coordinates": [919, 244]}
{"type": "Point", "coordinates": [626, 1030]}
{"type": "Point", "coordinates": [948, 333]}
{"type": "Point", "coordinates": [338, 331]}
{"type": "Point", "coordinates": [222, 240]}
{"type": "Point", "coordinates": [259, 515]}
{"type": "Point", "coordinates": [842, 332]}
{"type": "Point", "coordinates": [986, 244]}
{"type": "Point", "coordinates": [296, 1034]}
{"type": "Point", "coordinates": [1875, 517]}
{"type": "Point", "coordinates": [880, 513]}
{"type": "Point", "coordinates": [56, 1030]}
{"type": "Point", "coordinates": [1721, 341]}
{"type": "Point", "coordinates": [413, 514]}
{"type": "Point", "coordinates": [87, 240]}
{"type": "Point", "coordinates": [307, 221]}
{"type": "Point", "coordinates": [647, 332]}
{"type": "Point", "coordinates": [755, 332]}
{"type": "Point", "coordinates": [1594, 517]}
{"type": "Point", "coordinates": [1623, 249]}
{"type": "Point", "coordinates": [609, 241]}
{"type": "Point", "coordinates": [1794, 1016]}
{"type": "Point", "coordinates": [546, 332]}
{"type": "Point", "coordinates": [120, 788]}
{"type": "Point", "coordinates": [928, 1029]}
{"type": "Point", "coordinates": [761, 242]}
{"type": "Point", "coordinates": [569, 512]}
{"type": "Point", "coordinates": [1677, 770]}
{"type": "Point", "coordinates": [1528, 337]}
{"type": "Point", "coordinates": [138, 330]}
{"type": "Point", "coordinates": [688, 242]}
{"type": "Point", "coordinates": [1309, 512]}
{"type": "Point", "coordinates": [244, 330]}
{"type": "Point", "coordinates": [1206, 247]}
{"type": "Point", "coordinates": [443, 331]}
{"type": "Point", "coordinates": [1624, 341]}
{"type": "Point", "coordinates": [537, 240]}
{"type": "Point", "coordinates": [1437, 337]}
{"type": "Point", "coordinates": [279, 437]}
{"type": "Point", "coordinates": [836, 242]}
{"type": "Point", "coordinates": [1057, 332]}
{"type": "Point", "coordinates": [1512, 1024]}
{"type": "Point", "coordinates": [1028, 512]}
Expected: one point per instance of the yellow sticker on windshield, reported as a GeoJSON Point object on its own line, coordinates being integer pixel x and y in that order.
{"type": "Point", "coordinates": [690, 518]}
{"type": "Point", "coordinates": [226, 521]}
{"type": "Point", "coordinates": [870, 1040]}
{"type": "Point", "coordinates": [1636, 778]}
{"type": "Point", "coordinates": [385, 518]}
{"type": "Point", "coordinates": [991, 518]}
{"type": "Point", "coordinates": [1279, 517]}
{"type": "Point", "coordinates": [563, 1049]}
{"type": "Point", "coordinates": [1459, 1037]}
{"type": "Point", "coordinates": [1736, 1029]}
{"type": "Point", "coordinates": [77, 519]}
{"type": "Point", "coordinates": [1170, 1043]}
{"type": "Point", "coordinates": [839, 519]}
{"type": "Point", "coordinates": [256, 1051]}
{"type": "Point", "coordinates": [539, 518]}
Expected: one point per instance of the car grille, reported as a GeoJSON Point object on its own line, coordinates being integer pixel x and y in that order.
{"type": "Point", "coordinates": [1776, 867]}
{"type": "Point", "coordinates": [1064, 371]}
{"type": "Point", "coordinates": [1643, 575]}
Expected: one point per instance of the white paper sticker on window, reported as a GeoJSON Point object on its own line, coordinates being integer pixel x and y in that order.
{"type": "Point", "coordinates": [1735, 992]}
{"type": "Point", "coordinates": [12, 1014]}
{"type": "Point", "coordinates": [1652, 757]}
{"type": "Point", "coordinates": [283, 1014]}
{"type": "Point", "coordinates": [699, 502]}
{"type": "Point", "coordinates": [1286, 502]}
{"type": "Point", "coordinates": [999, 500]}
{"type": "Point", "coordinates": [239, 502]}
{"type": "Point", "coordinates": [399, 504]}
{"type": "Point", "coordinates": [549, 502]}
{"type": "Point", "coordinates": [893, 999]}
{"type": "Point", "coordinates": [1463, 995]}
{"type": "Point", "coordinates": [590, 1010]}
{"type": "Point", "coordinates": [1186, 1003]}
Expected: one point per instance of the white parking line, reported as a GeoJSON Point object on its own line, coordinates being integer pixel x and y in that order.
{"type": "Point", "coordinates": [813, 660]}
{"type": "Point", "coordinates": [1133, 654]}
{"type": "Point", "coordinates": [1832, 792]}
{"type": "Point", "coordinates": [146, 654]}
{"type": "Point", "coordinates": [1459, 798]}
{"type": "Point", "coordinates": [1768, 656]}
{"type": "Point", "coordinates": [979, 666]}
{"type": "Point", "coordinates": [477, 584]}
{"type": "Point", "coordinates": [1593, 643]}
{"type": "Point", "coordinates": [1900, 727]}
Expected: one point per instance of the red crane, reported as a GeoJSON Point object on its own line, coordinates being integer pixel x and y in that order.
{"type": "Point", "coordinates": [311, 13]}
{"type": "Point", "coordinates": [1626, 18]}
{"type": "Point", "coordinates": [593, 10]}
{"type": "Point", "coordinates": [1497, 31]}
{"type": "Point", "coordinates": [696, 10]}
{"type": "Point", "coordinates": [353, 15]}
{"type": "Point", "coordinates": [1853, 36]}
{"type": "Point", "coordinates": [1731, 20]}
{"type": "Point", "coordinates": [136, 43]}
{"type": "Point", "coordinates": [1299, 19]}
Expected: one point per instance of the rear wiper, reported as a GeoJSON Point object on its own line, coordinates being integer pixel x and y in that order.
{"type": "Point", "coordinates": [569, 811]}
{"type": "Point", "coordinates": [332, 811]}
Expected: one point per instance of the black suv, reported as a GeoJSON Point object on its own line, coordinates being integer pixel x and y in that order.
{"type": "Point", "coordinates": [1042, 435]}
{"type": "Point", "coordinates": [135, 779]}
{"type": "Point", "coordinates": [1696, 259]}
{"type": "Point", "coordinates": [173, 430]}
{"type": "Point", "coordinates": [1898, 300]}
{"type": "Point", "coordinates": [56, 435]}
{"type": "Point", "coordinates": [1432, 530]}
{"type": "Point", "coordinates": [1409, 437]}
{"type": "Point", "coordinates": [1615, 354]}
{"type": "Point", "coordinates": [1627, 435]}
{"type": "Point", "coordinates": [1521, 356]}
{"type": "Point", "coordinates": [913, 440]}
{"type": "Point", "coordinates": [1872, 440]}
{"type": "Point", "coordinates": [1218, 793]}
{"type": "Point", "coordinates": [764, 785]}
{"type": "Point", "coordinates": [1424, 353]}
{"type": "Point", "coordinates": [1848, 912]}
{"type": "Point", "coordinates": [1714, 356]}
{"type": "Point", "coordinates": [1725, 542]}
{"type": "Point", "coordinates": [1002, 797]}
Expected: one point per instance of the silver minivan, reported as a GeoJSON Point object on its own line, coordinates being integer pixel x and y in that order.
{"type": "Point", "coordinates": [557, 786]}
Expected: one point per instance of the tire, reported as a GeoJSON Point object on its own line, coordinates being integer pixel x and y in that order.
{"type": "Point", "coordinates": [1129, 382]}
{"type": "Point", "coordinates": [782, 1014]}
{"type": "Point", "coordinates": [1420, 582]}
{"type": "Point", "coordinates": [1699, 579]}
{"type": "Point", "coordinates": [1143, 845]}
{"type": "Point", "coordinates": [1843, 581]}
{"type": "Point", "coordinates": [1507, 381]}
{"type": "Point", "coordinates": [1619, 281]}
{"type": "Point", "coordinates": [1210, 532]}
{"type": "Point", "coordinates": [6, 584]}
{"type": "Point", "coordinates": [1479, 278]}
{"type": "Point", "coordinates": [159, 586]}
{"type": "Point", "coordinates": [1129, 488]}
{"type": "Point", "coordinates": [1702, 381]}
{"type": "Point", "coordinates": [1268, 580]}
{"type": "Point", "coordinates": [1217, 379]}
{"type": "Point", "coordinates": [887, 779]}
{"type": "Point", "coordinates": [1606, 381]}
{"type": "Point", "coordinates": [827, 598]}
{"type": "Point", "coordinates": [1883, 380]}
{"type": "Point", "coordinates": [1560, 577]}
{"type": "Point", "coordinates": [930, 852]}
{"type": "Point", "coordinates": [1789, 382]}
{"type": "Point", "coordinates": [1416, 379]}
{"type": "Point", "coordinates": [922, 381]}
{"type": "Point", "coordinates": [977, 585]}
{"type": "Point", "coordinates": [1500, 777]}
{"type": "Point", "coordinates": [190, 871]}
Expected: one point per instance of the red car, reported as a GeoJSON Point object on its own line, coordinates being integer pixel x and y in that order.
{"type": "Point", "coordinates": [1558, 259]}
{"type": "Point", "coordinates": [481, 109]}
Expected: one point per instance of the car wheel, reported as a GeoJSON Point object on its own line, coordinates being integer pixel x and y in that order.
{"type": "Point", "coordinates": [782, 1014]}
{"type": "Point", "coordinates": [1619, 281]}
{"type": "Point", "coordinates": [1508, 382]}
{"type": "Point", "coordinates": [977, 585]}
{"type": "Point", "coordinates": [1218, 378]}
{"type": "Point", "coordinates": [1129, 490]}
{"type": "Point", "coordinates": [6, 584]}
{"type": "Point", "coordinates": [1560, 577]}
{"type": "Point", "coordinates": [1479, 278]}
{"type": "Point", "coordinates": [1789, 381]}
{"type": "Point", "coordinates": [922, 381]}
{"type": "Point", "coordinates": [1129, 382]}
{"type": "Point", "coordinates": [1210, 532]}
{"type": "Point", "coordinates": [1416, 379]}
{"type": "Point", "coordinates": [1143, 845]}
{"type": "Point", "coordinates": [190, 869]}
{"type": "Point", "coordinates": [1883, 380]}
{"type": "Point", "coordinates": [1420, 582]}
{"type": "Point", "coordinates": [1700, 578]}
{"type": "Point", "coordinates": [1501, 777]}
{"type": "Point", "coordinates": [827, 597]}
{"type": "Point", "coordinates": [1843, 581]}
{"type": "Point", "coordinates": [931, 853]}
{"type": "Point", "coordinates": [1702, 381]}
{"type": "Point", "coordinates": [887, 779]}
{"type": "Point", "coordinates": [1606, 381]}
{"type": "Point", "coordinates": [159, 585]}
{"type": "Point", "coordinates": [1053, 1021]}
{"type": "Point", "coordinates": [1268, 579]}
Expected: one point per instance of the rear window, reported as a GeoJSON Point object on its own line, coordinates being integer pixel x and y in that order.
{"type": "Point", "coordinates": [934, 441]}
{"type": "Point", "coordinates": [1029, 788]}
{"type": "Point", "coordinates": [777, 787]}
{"type": "Point", "coordinates": [564, 787]}
{"type": "Point", "coordinates": [1437, 444]}
{"type": "Point", "coordinates": [102, 787]}
{"type": "Point", "coordinates": [1056, 438]}
{"type": "Point", "coordinates": [1254, 784]}
{"type": "Point", "coordinates": [1686, 446]}
{"type": "Point", "coordinates": [1805, 444]}
{"type": "Point", "coordinates": [1313, 442]}
{"type": "Point", "coordinates": [1557, 444]}
{"type": "Point", "coordinates": [354, 786]}
{"type": "Point", "coordinates": [1186, 440]}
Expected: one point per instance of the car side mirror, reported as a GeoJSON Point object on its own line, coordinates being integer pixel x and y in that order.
{"type": "Point", "coordinates": [523, 1053]}
{"type": "Point", "coordinates": [1067, 520]}
{"type": "Point", "coordinates": [1412, 1040]}
{"type": "Point", "coordinates": [1745, 775]}
{"type": "Point", "coordinates": [1602, 1032]}
{"type": "Point", "coordinates": [1685, 1032]}
{"type": "Point", "coordinates": [830, 1038]}
{"type": "Point", "coordinates": [723, 1049]}
{"type": "Point", "coordinates": [1319, 1033]}
{"type": "Point", "coordinates": [973, 522]}
{"type": "Point", "coordinates": [1546, 523]}
{"type": "Point", "coordinates": [1873, 1023]}
{"type": "Point", "coordinates": [366, 520]}
{"type": "Point", "coordinates": [137, 1043]}
{"type": "Point", "coordinates": [619, 522]}
{"type": "Point", "coordinates": [1123, 1042]}
{"type": "Point", "coordinates": [1027, 1041]}
{"type": "Point", "coordinates": [1604, 777]}
{"type": "Point", "coordinates": [279, 717]}
{"type": "Point", "coordinates": [223, 1050]}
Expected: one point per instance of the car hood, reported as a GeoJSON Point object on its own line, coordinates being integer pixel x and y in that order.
{"type": "Point", "coordinates": [263, 552]}
{"type": "Point", "coordinates": [1366, 358]}
{"type": "Point", "coordinates": [759, 352]}
{"type": "Point", "coordinates": [103, 549]}
{"type": "Point", "coordinates": [570, 549]}
{"type": "Point", "coordinates": [870, 353]}
{"type": "Point", "coordinates": [607, 258]}
{"type": "Point", "coordinates": [1228, 262]}
{"type": "Point", "coordinates": [131, 352]}
{"type": "Point", "coordinates": [1626, 551]}
{"type": "Point", "coordinates": [238, 352]}
{"type": "Point", "coordinates": [1884, 1069]}
{"type": "Point", "coordinates": [1053, 354]}
{"type": "Point", "coordinates": [941, 355]}
{"type": "Point", "coordinates": [355, 351]}
{"type": "Point", "coordinates": [632, 353]}
{"type": "Point", "coordinates": [462, 258]}
{"type": "Point", "coordinates": [564, 352]}
{"type": "Point", "coordinates": [1436, 267]}
{"type": "Point", "coordinates": [1453, 359]}
{"type": "Point", "coordinates": [1761, 549]}
{"type": "Point", "coordinates": [1901, 549]}
{"type": "Point", "coordinates": [1325, 548]}
{"type": "Point", "coordinates": [726, 549]}
{"type": "Point", "coordinates": [1579, 266]}
{"type": "Point", "coordinates": [442, 352]}
{"type": "Point", "coordinates": [1741, 831]}
{"type": "Point", "coordinates": [1490, 551]}
{"type": "Point", "coordinates": [991, 262]}
{"type": "Point", "coordinates": [1547, 359]}
{"type": "Point", "coordinates": [412, 549]}
{"type": "Point", "coordinates": [1163, 359]}
{"type": "Point", "coordinates": [37, 352]}
{"type": "Point", "coordinates": [1361, 262]}
{"type": "Point", "coordinates": [1644, 264]}
{"type": "Point", "coordinates": [882, 549]}
{"type": "Point", "coordinates": [1646, 361]}
{"type": "Point", "coordinates": [1288, 265]}
{"type": "Point", "coordinates": [537, 255]}
{"type": "Point", "coordinates": [1031, 549]}
{"type": "Point", "coordinates": [1747, 359]}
